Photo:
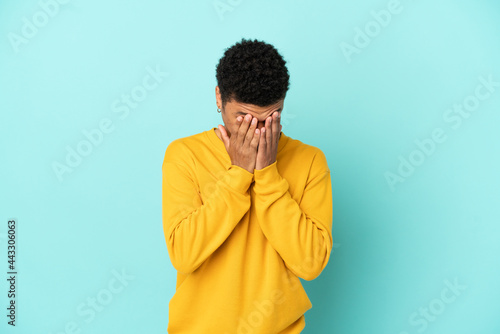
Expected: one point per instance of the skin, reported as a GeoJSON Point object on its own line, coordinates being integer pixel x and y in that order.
{"type": "Point", "coordinates": [250, 145]}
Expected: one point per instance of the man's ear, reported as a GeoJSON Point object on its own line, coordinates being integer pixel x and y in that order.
{"type": "Point", "coordinates": [218, 97]}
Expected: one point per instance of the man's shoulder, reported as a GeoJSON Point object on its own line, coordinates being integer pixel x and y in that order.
{"type": "Point", "coordinates": [186, 141]}
{"type": "Point", "coordinates": [181, 146]}
{"type": "Point", "coordinates": [297, 147]}
{"type": "Point", "coordinates": [303, 152]}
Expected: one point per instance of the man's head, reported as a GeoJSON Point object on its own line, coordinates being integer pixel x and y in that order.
{"type": "Point", "coordinates": [252, 79]}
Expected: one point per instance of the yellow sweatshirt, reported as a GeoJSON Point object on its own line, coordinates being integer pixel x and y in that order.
{"type": "Point", "coordinates": [240, 240]}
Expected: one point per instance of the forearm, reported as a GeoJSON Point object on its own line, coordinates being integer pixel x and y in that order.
{"type": "Point", "coordinates": [195, 229]}
{"type": "Point", "coordinates": [301, 234]}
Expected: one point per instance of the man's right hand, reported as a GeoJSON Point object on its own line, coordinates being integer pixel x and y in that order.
{"type": "Point", "coordinates": [242, 145]}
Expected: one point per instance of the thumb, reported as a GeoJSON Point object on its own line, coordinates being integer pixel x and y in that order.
{"type": "Point", "coordinates": [225, 137]}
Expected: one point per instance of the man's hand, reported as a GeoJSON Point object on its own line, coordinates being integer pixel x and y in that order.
{"type": "Point", "coordinates": [242, 146]}
{"type": "Point", "coordinates": [268, 142]}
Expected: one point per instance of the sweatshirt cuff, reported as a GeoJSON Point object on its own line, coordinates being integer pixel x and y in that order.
{"type": "Point", "coordinates": [268, 179]}
{"type": "Point", "coordinates": [239, 178]}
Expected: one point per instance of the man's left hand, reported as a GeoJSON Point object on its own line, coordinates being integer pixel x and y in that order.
{"type": "Point", "coordinates": [268, 142]}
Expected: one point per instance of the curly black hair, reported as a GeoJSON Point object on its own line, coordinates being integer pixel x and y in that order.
{"type": "Point", "coordinates": [252, 72]}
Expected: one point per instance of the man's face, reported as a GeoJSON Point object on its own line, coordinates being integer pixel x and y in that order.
{"type": "Point", "coordinates": [233, 109]}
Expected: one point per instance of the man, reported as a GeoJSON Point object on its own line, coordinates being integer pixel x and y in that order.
{"type": "Point", "coordinates": [247, 210]}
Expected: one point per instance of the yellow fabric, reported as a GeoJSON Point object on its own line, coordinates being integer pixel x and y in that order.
{"type": "Point", "coordinates": [240, 240]}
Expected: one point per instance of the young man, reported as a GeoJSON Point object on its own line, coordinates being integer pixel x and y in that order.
{"type": "Point", "coordinates": [247, 210]}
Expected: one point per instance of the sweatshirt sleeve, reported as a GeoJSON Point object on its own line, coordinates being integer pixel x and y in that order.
{"type": "Point", "coordinates": [300, 233]}
{"type": "Point", "coordinates": [194, 229]}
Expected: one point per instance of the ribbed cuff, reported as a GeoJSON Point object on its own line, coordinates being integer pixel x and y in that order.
{"type": "Point", "coordinates": [267, 179]}
{"type": "Point", "coordinates": [238, 178]}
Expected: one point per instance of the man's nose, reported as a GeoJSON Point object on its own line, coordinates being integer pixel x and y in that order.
{"type": "Point", "coordinates": [261, 124]}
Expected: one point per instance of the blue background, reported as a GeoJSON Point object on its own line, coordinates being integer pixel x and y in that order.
{"type": "Point", "coordinates": [396, 247]}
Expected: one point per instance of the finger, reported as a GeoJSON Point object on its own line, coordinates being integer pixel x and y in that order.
{"type": "Point", "coordinates": [243, 129]}
{"type": "Point", "coordinates": [237, 138]}
{"type": "Point", "coordinates": [251, 131]}
{"type": "Point", "coordinates": [262, 141]}
{"type": "Point", "coordinates": [256, 137]}
{"type": "Point", "coordinates": [225, 137]}
{"type": "Point", "coordinates": [238, 121]}
{"type": "Point", "coordinates": [269, 130]}
{"type": "Point", "coordinates": [276, 127]}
